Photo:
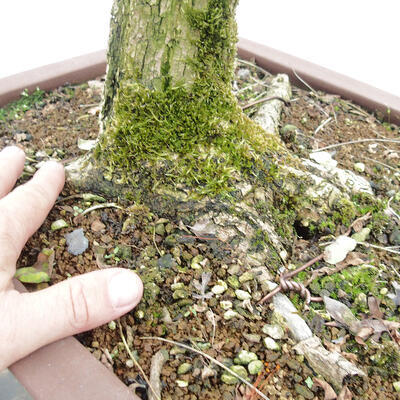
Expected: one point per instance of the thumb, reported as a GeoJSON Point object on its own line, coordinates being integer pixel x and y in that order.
{"type": "Point", "coordinates": [73, 306]}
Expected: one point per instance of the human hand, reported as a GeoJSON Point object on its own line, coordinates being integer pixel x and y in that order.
{"type": "Point", "coordinates": [29, 321]}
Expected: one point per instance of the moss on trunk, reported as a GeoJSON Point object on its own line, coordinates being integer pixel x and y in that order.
{"type": "Point", "coordinates": [169, 115]}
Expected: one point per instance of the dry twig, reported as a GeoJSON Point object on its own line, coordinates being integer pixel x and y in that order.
{"type": "Point", "coordinates": [322, 125]}
{"type": "Point", "coordinates": [250, 64]}
{"type": "Point", "coordinates": [332, 146]}
{"type": "Point", "coordinates": [265, 100]}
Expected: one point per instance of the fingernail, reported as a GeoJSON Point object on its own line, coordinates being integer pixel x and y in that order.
{"type": "Point", "coordinates": [11, 150]}
{"type": "Point", "coordinates": [125, 289]}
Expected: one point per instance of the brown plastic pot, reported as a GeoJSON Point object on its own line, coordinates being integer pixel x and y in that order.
{"type": "Point", "coordinates": [65, 370]}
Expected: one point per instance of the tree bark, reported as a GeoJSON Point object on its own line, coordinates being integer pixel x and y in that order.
{"type": "Point", "coordinates": [155, 42]}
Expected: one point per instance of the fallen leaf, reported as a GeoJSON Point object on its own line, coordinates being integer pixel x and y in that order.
{"type": "Point", "coordinates": [97, 226]}
{"type": "Point", "coordinates": [334, 347]}
{"type": "Point", "coordinates": [345, 394]}
{"type": "Point", "coordinates": [359, 223]}
{"type": "Point", "coordinates": [353, 258]}
{"type": "Point", "coordinates": [349, 356]}
{"type": "Point", "coordinates": [99, 254]}
{"type": "Point", "coordinates": [360, 340]}
{"type": "Point", "coordinates": [357, 226]}
{"type": "Point", "coordinates": [31, 275]}
{"type": "Point", "coordinates": [377, 326]}
{"type": "Point", "coordinates": [40, 271]}
{"type": "Point", "coordinates": [373, 305]}
{"type": "Point", "coordinates": [329, 392]}
{"type": "Point", "coordinates": [391, 325]}
{"type": "Point", "coordinates": [67, 208]}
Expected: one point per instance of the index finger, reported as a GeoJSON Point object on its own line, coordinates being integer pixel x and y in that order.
{"type": "Point", "coordinates": [23, 211]}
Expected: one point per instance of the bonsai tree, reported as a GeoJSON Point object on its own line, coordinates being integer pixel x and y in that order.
{"type": "Point", "coordinates": [175, 145]}
{"type": "Point", "coordinates": [174, 139]}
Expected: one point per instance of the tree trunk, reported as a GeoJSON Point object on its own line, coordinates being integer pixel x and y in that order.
{"type": "Point", "coordinates": [155, 44]}
{"type": "Point", "coordinates": [168, 114]}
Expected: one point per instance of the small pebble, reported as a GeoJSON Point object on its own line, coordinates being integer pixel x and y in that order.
{"type": "Point", "coordinates": [252, 337]}
{"type": "Point", "coordinates": [59, 224]}
{"type": "Point", "coordinates": [225, 304]}
{"type": "Point", "coordinates": [178, 286]}
{"type": "Point", "coordinates": [324, 158]}
{"type": "Point", "coordinates": [361, 236]}
{"type": "Point", "coordinates": [384, 291]}
{"type": "Point", "coordinates": [234, 269]}
{"type": "Point", "coordinates": [77, 242]}
{"type": "Point", "coordinates": [359, 167]}
{"type": "Point", "coordinates": [242, 294]}
{"type": "Point", "coordinates": [230, 314]}
{"type": "Point", "coordinates": [246, 277]}
{"type": "Point", "coordinates": [240, 370]}
{"type": "Point", "coordinates": [255, 367]}
{"type": "Point", "coordinates": [229, 379]}
{"type": "Point", "coordinates": [220, 287]}
{"type": "Point", "coordinates": [183, 368]}
{"type": "Point", "coordinates": [233, 281]}
{"type": "Point", "coordinates": [274, 331]}
{"type": "Point", "coordinates": [270, 344]}
{"type": "Point", "coordinates": [245, 357]}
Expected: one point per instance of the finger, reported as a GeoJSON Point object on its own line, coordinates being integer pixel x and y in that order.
{"type": "Point", "coordinates": [24, 209]}
{"type": "Point", "coordinates": [12, 160]}
{"type": "Point", "coordinates": [70, 307]}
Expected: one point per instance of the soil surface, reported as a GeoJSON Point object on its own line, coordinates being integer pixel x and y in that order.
{"type": "Point", "coordinates": [312, 120]}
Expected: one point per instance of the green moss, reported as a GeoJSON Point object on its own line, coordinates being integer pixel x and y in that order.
{"type": "Point", "coordinates": [353, 281]}
{"type": "Point", "coordinates": [197, 135]}
{"type": "Point", "coordinates": [385, 358]}
{"type": "Point", "coordinates": [344, 212]}
{"type": "Point", "coordinates": [366, 203]}
{"type": "Point", "coordinates": [16, 109]}
{"type": "Point", "coordinates": [259, 241]}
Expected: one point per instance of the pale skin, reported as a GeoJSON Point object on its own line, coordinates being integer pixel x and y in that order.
{"type": "Point", "coordinates": [29, 321]}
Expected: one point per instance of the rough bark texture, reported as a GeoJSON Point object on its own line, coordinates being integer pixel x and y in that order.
{"type": "Point", "coordinates": [153, 42]}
